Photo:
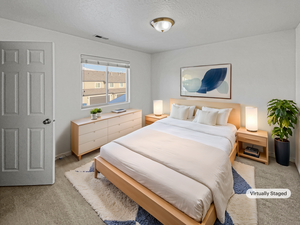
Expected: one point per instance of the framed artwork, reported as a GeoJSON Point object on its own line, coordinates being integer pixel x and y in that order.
{"type": "Point", "coordinates": [210, 81]}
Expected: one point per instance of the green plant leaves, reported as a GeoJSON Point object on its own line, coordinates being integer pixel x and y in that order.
{"type": "Point", "coordinates": [283, 113]}
{"type": "Point", "coordinates": [94, 111]}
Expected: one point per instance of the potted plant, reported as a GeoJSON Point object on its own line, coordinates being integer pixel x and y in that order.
{"type": "Point", "coordinates": [99, 111]}
{"type": "Point", "coordinates": [94, 114]}
{"type": "Point", "coordinates": [283, 114]}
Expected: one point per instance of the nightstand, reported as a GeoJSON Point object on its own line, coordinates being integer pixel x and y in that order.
{"type": "Point", "coordinates": [151, 118]}
{"type": "Point", "coordinates": [259, 138]}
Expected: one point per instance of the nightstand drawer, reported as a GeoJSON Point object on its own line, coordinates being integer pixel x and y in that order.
{"type": "Point", "coordinates": [148, 122]}
{"type": "Point", "coordinates": [152, 120]}
{"type": "Point", "coordinates": [251, 139]}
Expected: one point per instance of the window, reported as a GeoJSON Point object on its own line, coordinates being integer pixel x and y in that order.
{"type": "Point", "coordinates": [96, 74]}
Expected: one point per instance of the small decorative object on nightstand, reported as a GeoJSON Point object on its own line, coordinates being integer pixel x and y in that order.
{"type": "Point", "coordinates": [151, 118]}
{"type": "Point", "coordinates": [259, 138]}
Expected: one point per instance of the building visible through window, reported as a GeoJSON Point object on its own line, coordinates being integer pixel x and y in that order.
{"type": "Point", "coordinates": [96, 74]}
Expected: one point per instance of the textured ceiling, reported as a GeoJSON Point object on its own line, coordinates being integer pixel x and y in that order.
{"type": "Point", "coordinates": [126, 22]}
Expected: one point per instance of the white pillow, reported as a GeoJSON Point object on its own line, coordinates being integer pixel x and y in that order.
{"type": "Point", "coordinates": [223, 114]}
{"type": "Point", "coordinates": [191, 110]}
{"type": "Point", "coordinates": [178, 112]}
{"type": "Point", "coordinates": [207, 117]}
{"type": "Point", "coordinates": [196, 116]}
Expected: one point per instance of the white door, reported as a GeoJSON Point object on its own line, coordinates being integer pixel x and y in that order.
{"type": "Point", "coordinates": [27, 113]}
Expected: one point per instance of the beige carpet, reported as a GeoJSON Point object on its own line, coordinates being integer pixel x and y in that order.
{"type": "Point", "coordinates": [62, 204]}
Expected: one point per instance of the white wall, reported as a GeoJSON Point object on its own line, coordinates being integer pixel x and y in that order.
{"type": "Point", "coordinates": [68, 71]}
{"type": "Point", "coordinates": [297, 159]}
{"type": "Point", "coordinates": [263, 68]}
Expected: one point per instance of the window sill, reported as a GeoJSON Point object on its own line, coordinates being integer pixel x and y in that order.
{"type": "Point", "coordinates": [105, 106]}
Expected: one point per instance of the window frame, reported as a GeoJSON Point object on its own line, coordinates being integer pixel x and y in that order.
{"type": "Point", "coordinates": [110, 63]}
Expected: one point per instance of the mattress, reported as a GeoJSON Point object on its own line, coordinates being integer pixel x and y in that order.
{"type": "Point", "coordinates": [186, 194]}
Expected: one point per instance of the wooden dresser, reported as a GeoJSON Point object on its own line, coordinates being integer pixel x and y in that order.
{"type": "Point", "coordinates": [88, 135]}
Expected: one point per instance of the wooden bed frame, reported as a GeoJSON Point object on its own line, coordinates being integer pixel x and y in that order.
{"type": "Point", "coordinates": [152, 203]}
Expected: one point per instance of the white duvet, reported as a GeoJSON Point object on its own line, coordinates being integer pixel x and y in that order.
{"type": "Point", "coordinates": [221, 137]}
{"type": "Point", "coordinates": [184, 192]}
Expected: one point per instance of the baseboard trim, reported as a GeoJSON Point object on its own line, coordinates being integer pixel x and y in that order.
{"type": "Point", "coordinates": [62, 155]}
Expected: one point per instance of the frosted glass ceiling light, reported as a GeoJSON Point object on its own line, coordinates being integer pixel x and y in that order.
{"type": "Point", "coordinates": [162, 24]}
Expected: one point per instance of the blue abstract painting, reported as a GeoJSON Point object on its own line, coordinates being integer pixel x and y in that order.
{"type": "Point", "coordinates": [212, 81]}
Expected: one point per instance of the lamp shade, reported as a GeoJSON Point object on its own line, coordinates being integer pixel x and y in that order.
{"type": "Point", "coordinates": [158, 107]}
{"type": "Point", "coordinates": [251, 118]}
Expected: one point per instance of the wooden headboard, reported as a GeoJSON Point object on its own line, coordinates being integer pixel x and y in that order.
{"type": "Point", "coordinates": [234, 117]}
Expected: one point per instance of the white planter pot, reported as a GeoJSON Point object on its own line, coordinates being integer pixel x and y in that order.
{"type": "Point", "coordinates": [93, 116]}
{"type": "Point", "coordinates": [98, 115]}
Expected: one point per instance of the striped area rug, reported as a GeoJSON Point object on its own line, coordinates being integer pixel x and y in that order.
{"type": "Point", "coordinates": [115, 208]}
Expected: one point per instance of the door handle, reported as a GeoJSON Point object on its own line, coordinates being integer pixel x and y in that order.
{"type": "Point", "coordinates": [47, 121]}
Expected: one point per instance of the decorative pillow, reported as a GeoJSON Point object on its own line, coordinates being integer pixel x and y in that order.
{"type": "Point", "coordinates": [207, 117]}
{"type": "Point", "coordinates": [191, 110]}
{"type": "Point", "coordinates": [223, 114]}
{"type": "Point", "coordinates": [178, 112]}
{"type": "Point", "coordinates": [196, 116]}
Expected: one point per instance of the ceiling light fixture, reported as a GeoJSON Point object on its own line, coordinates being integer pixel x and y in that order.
{"type": "Point", "coordinates": [162, 24]}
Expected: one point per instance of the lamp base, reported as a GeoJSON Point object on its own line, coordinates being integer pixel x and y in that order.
{"type": "Point", "coordinates": [252, 130]}
{"type": "Point", "coordinates": [157, 114]}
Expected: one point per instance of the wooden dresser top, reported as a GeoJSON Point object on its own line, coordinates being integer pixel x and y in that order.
{"type": "Point", "coordinates": [104, 116]}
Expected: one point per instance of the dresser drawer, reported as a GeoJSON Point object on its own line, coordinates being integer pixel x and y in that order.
{"type": "Point", "coordinates": [136, 127]}
{"type": "Point", "coordinates": [92, 135]}
{"type": "Point", "coordinates": [92, 127]}
{"type": "Point", "coordinates": [92, 144]}
{"type": "Point", "coordinates": [121, 119]}
{"type": "Point", "coordinates": [119, 127]}
{"type": "Point", "coordinates": [137, 114]}
{"type": "Point", "coordinates": [251, 139]}
{"type": "Point", "coordinates": [118, 134]}
{"type": "Point", "coordinates": [123, 126]}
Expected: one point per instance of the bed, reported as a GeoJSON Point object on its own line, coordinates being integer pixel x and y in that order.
{"type": "Point", "coordinates": [161, 197]}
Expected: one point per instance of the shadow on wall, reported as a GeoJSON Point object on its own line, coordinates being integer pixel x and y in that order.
{"type": "Point", "coordinates": [63, 141]}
